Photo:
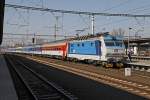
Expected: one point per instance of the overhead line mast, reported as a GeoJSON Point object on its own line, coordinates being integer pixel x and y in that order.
{"type": "Point", "coordinates": [93, 14]}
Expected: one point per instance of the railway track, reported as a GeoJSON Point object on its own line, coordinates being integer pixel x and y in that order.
{"type": "Point", "coordinates": [139, 63]}
{"type": "Point", "coordinates": [135, 68]}
{"type": "Point", "coordinates": [38, 86]}
{"type": "Point", "coordinates": [140, 67]}
{"type": "Point", "coordinates": [141, 57]}
{"type": "Point", "coordinates": [132, 87]}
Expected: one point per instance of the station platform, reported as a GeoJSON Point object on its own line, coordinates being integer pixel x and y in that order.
{"type": "Point", "coordinates": [7, 89]}
{"type": "Point", "coordinates": [145, 63]}
{"type": "Point", "coordinates": [142, 65]}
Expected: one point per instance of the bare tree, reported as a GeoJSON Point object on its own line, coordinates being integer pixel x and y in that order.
{"type": "Point", "coordinates": [118, 32]}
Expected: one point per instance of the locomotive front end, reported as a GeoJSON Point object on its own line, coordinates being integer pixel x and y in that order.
{"type": "Point", "coordinates": [115, 51]}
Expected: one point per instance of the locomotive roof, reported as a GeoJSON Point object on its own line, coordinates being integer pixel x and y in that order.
{"type": "Point", "coordinates": [89, 36]}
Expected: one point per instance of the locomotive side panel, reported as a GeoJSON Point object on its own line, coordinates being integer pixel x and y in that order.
{"type": "Point", "coordinates": [83, 50]}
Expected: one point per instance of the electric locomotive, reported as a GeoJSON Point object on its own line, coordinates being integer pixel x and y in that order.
{"type": "Point", "coordinates": [104, 49]}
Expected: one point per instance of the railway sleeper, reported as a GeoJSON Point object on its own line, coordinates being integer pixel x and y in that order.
{"type": "Point", "coordinates": [140, 68]}
{"type": "Point", "coordinates": [52, 96]}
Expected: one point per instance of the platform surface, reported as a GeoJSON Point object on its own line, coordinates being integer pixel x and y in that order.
{"type": "Point", "coordinates": [141, 63]}
{"type": "Point", "coordinates": [7, 90]}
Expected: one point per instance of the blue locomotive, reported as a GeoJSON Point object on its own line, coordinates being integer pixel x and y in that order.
{"type": "Point", "coordinates": [104, 49]}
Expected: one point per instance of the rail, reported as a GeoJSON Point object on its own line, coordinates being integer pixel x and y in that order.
{"type": "Point", "coordinates": [140, 57]}
{"type": "Point", "coordinates": [39, 86]}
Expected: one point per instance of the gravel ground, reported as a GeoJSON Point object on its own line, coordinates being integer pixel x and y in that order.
{"type": "Point", "coordinates": [137, 76]}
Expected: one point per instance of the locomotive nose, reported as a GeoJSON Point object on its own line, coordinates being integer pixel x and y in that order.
{"type": "Point", "coordinates": [115, 53]}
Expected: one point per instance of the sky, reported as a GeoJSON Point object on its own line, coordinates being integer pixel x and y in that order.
{"type": "Point", "coordinates": [19, 21]}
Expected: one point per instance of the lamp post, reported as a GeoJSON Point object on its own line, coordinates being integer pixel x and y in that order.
{"type": "Point", "coordinates": [129, 38]}
{"type": "Point", "coordinates": [92, 24]}
{"type": "Point", "coordinates": [137, 33]}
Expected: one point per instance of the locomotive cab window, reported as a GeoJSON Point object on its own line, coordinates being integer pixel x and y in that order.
{"type": "Point", "coordinates": [119, 44]}
{"type": "Point", "coordinates": [109, 43]}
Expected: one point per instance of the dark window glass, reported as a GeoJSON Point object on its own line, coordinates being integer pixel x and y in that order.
{"type": "Point", "coordinates": [92, 43]}
{"type": "Point", "coordinates": [78, 45]}
{"type": "Point", "coordinates": [82, 44]}
{"type": "Point", "coordinates": [109, 43]}
{"type": "Point", "coordinates": [119, 44]}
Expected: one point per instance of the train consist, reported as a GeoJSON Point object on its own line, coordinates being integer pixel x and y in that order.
{"type": "Point", "coordinates": [102, 48]}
